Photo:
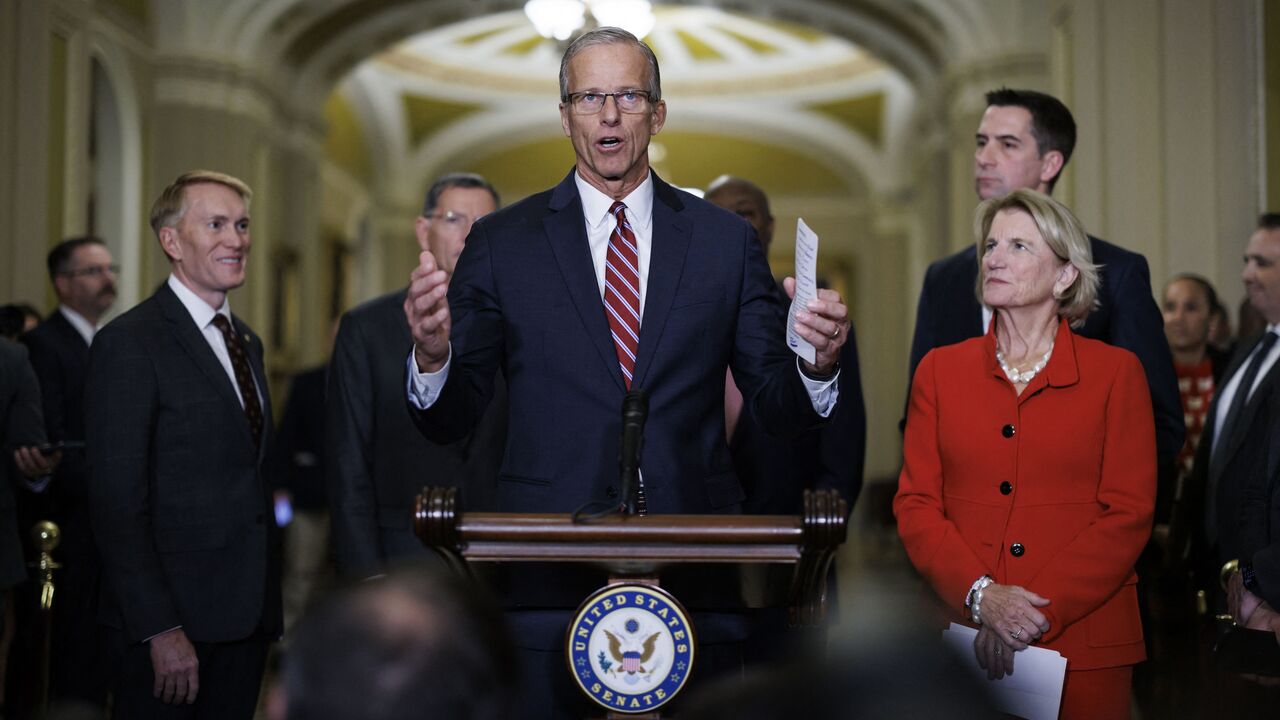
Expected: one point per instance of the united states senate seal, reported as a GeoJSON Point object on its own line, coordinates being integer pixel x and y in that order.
{"type": "Point", "coordinates": [630, 647]}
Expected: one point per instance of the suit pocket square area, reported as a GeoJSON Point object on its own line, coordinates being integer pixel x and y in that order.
{"type": "Point", "coordinates": [190, 539]}
{"type": "Point", "coordinates": [700, 295]}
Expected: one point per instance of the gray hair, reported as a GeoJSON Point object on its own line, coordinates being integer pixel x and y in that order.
{"type": "Point", "coordinates": [610, 36]}
{"type": "Point", "coordinates": [1066, 238]}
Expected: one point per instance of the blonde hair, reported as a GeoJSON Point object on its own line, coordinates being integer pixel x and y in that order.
{"type": "Point", "coordinates": [1064, 235]}
{"type": "Point", "coordinates": [168, 209]}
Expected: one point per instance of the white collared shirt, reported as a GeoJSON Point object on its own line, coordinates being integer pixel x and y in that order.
{"type": "Point", "coordinates": [202, 314]}
{"type": "Point", "coordinates": [1233, 385]}
{"type": "Point", "coordinates": [82, 325]}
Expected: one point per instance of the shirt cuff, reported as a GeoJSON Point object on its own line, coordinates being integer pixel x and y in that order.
{"type": "Point", "coordinates": [822, 393]}
{"type": "Point", "coordinates": [424, 388]}
{"type": "Point", "coordinates": [153, 637]}
{"type": "Point", "coordinates": [38, 485]}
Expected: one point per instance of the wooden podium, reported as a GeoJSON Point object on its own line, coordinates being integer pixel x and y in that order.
{"type": "Point", "coordinates": [636, 548]}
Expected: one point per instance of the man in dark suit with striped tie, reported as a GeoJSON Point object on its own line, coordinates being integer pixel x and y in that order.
{"type": "Point", "coordinates": [176, 416]}
{"type": "Point", "coordinates": [609, 282]}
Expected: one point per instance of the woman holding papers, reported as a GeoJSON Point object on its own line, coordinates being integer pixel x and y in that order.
{"type": "Point", "coordinates": [1029, 475]}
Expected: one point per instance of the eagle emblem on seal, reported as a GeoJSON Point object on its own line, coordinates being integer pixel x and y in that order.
{"type": "Point", "coordinates": [631, 659]}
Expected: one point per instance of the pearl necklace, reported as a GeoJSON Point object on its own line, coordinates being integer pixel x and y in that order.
{"type": "Point", "coordinates": [1022, 378]}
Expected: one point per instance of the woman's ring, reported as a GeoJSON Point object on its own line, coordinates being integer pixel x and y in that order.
{"type": "Point", "coordinates": [998, 650]}
{"type": "Point", "coordinates": [836, 334]}
{"type": "Point", "coordinates": [1016, 634]}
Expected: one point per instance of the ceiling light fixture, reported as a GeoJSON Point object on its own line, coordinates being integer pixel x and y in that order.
{"type": "Point", "coordinates": [556, 19]}
{"type": "Point", "coordinates": [563, 20]}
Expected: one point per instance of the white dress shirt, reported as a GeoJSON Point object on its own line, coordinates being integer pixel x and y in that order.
{"type": "Point", "coordinates": [203, 314]}
{"type": "Point", "coordinates": [1233, 386]}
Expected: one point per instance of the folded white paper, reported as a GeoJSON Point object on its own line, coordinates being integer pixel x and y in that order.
{"type": "Point", "coordinates": [1033, 691]}
{"type": "Point", "coordinates": [806, 287]}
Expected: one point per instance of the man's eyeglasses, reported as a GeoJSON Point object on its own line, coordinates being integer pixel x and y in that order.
{"type": "Point", "coordinates": [453, 220]}
{"type": "Point", "coordinates": [92, 271]}
{"type": "Point", "coordinates": [590, 102]}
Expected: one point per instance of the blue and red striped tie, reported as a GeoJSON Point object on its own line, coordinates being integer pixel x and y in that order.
{"type": "Point", "coordinates": [622, 292]}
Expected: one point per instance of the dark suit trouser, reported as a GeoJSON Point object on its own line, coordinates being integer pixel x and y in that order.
{"type": "Point", "coordinates": [230, 679]}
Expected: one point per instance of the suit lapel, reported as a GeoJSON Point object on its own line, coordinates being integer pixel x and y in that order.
{"type": "Point", "coordinates": [666, 263]}
{"type": "Point", "coordinates": [567, 234]}
{"type": "Point", "coordinates": [193, 342]}
{"type": "Point", "coordinates": [1250, 409]}
{"type": "Point", "coordinates": [70, 336]}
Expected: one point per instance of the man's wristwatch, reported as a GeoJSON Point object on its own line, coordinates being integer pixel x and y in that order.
{"type": "Point", "coordinates": [1249, 578]}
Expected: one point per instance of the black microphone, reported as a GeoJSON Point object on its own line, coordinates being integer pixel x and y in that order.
{"type": "Point", "coordinates": [635, 409]}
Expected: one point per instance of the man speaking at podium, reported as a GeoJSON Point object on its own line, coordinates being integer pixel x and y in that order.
{"type": "Point", "coordinates": [611, 281]}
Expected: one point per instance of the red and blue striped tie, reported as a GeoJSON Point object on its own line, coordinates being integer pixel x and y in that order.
{"type": "Point", "coordinates": [622, 292]}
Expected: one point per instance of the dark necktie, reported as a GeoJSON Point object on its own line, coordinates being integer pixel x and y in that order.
{"type": "Point", "coordinates": [244, 377]}
{"type": "Point", "coordinates": [1240, 399]}
{"type": "Point", "coordinates": [1222, 436]}
{"type": "Point", "coordinates": [622, 292]}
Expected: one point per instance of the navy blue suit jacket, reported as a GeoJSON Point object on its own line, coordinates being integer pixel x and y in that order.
{"type": "Point", "coordinates": [60, 357]}
{"type": "Point", "coordinates": [20, 425]}
{"type": "Point", "coordinates": [1259, 518]}
{"type": "Point", "coordinates": [1127, 317]}
{"type": "Point", "coordinates": [524, 299]}
{"type": "Point", "coordinates": [179, 505]}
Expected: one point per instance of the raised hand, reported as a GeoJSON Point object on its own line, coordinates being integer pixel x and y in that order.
{"type": "Point", "coordinates": [824, 325]}
{"type": "Point", "coordinates": [427, 310]}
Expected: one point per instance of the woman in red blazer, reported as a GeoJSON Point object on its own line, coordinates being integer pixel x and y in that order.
{"type": "Point", "coordinates": [1029, 474]}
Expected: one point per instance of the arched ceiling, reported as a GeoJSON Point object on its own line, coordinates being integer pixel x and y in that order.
{"type": "Point", "coordinates": [754, 70]}
{"type": "Point", "coordinates": [321, 40]}
{"type": "Point", "coordinates": [455, 96]}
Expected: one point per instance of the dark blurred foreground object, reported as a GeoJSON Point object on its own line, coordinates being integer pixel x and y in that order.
{"type": "Point", "coordinates": [419, 642]}
{"type": "Point", "coordinates": [886, 678]}
{"type": "Point", "coordinates": [1245, 651]}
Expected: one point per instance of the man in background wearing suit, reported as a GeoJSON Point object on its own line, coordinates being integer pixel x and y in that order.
{"type": "Point", "coordinates": [611, 281]}
{"type": "Point", "coordinates": [776, 472]}
{"type": "Point", "coordinates": [21, 432]}
{"type": "Point", "coordinates": [378, 462]}
{"type": "Point", "coordinates": [1235, 442]}
{"type": "Point", "coordinates": [84, 278]}
{"type": "Point", "coordinates": [1247, 481]}
{"type": "Point", "coordinates": [176, 416]}
{"type": "Point", "coordinates": [1024, 141]}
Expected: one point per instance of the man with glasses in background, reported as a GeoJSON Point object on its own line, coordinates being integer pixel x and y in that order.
{"type": "Point", "coordinates": [377, 461]}
{"type": "Point", "coordinates": [84, 279]}
{"type": "Point", "coordinates": [610, 282]}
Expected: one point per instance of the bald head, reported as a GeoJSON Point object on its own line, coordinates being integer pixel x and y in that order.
{"type": "Point", "coordinates": [747, 200]}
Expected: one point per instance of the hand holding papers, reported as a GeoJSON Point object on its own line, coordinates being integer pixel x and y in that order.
{"type": "Point", "coordinates": [1033, 691]}
{"type": "Point", "coordinates": [806, 288]}
{"type": "Point", "coordinates": [817, 321]}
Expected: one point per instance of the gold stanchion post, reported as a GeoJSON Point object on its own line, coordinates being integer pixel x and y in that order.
{"type": "Point", "coordinates": [46, 536]}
